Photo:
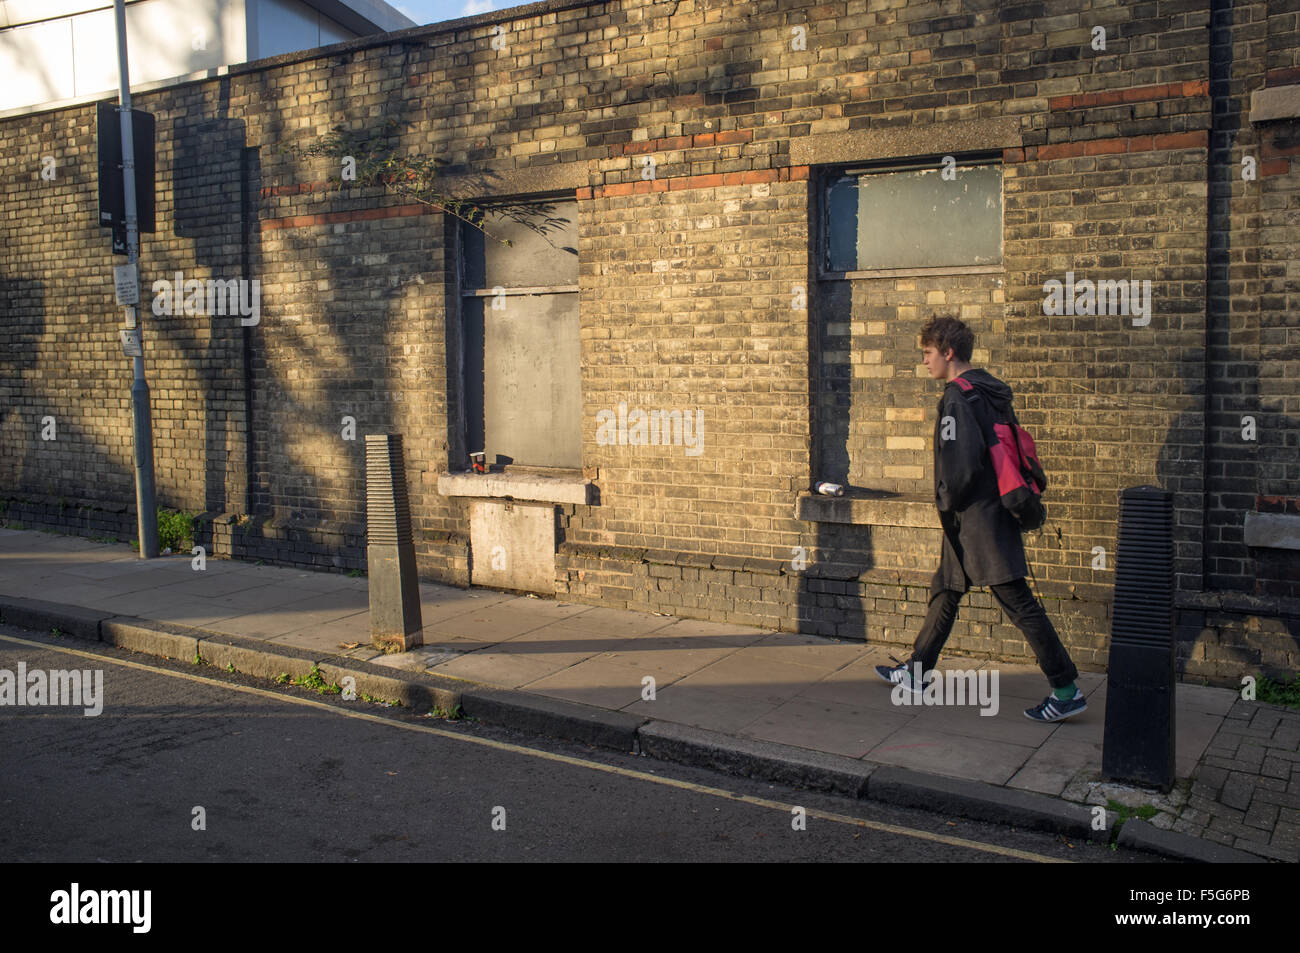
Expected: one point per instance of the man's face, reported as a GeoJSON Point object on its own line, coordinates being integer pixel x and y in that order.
{"type": "Point", "coordinates": [935, 362]}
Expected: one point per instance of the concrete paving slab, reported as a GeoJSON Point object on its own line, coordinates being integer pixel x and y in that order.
{"type": "Point", "coordinates": [773, 681]}
{"type": "Point", "coordinates": [112, 569]}
{"type": "Point", "coordinates": [324, 581]}
{"type": "Point", "coordinates": [1057, 760]}
{"type": "Point", "coordinates": [597, 681]}
{"type": "Point", "coordinates": [957, 756]}
{"type": "Point", "coordinates": [259, 626]}
{"type": "Point", "coordinates": [826, 726]}
{"type": "Point", "coordinates": [410, 661]}
{"type": "Point", "coordinates": [560, 636]}
{"type": "Point", "coordinates": [191, 611]}
{"type": "Point", "coordinates": [215, 586]}
{"type": "Point", "coordinates": [494, 667]}
{"type": "Point", "coordinates": [310, 612]}
{"type": "Point", "coordinates": [597, 630]}
{"type": "Point", "coordinates": [86, 594]}
{"type": "Point", "coordinates": [477, 624]}
{"type": "Point", "coordinates": [267, 597]}
{"type": "Point", "coordinates": [543, 610]}
{"type": "Point", "coordinates": [436, 594]}
{"type": "Point", "coordinates": [325, 638]}
{"type": "Point", "coordinates": [714, 634]}
{"type": "Point", "coordinates": [435, 612]}
{"type": "Point", "coordinates": [1205, 698]}
{"type": "Point", "coordinates": [667, 665]}
{"type": "Point", "coordinates": [149, 603]}
{"type": "Point", "coordinates": [703, 707]}
{"type": "Point", "coordinates": [438, 642]}
{"type": "Point", "coordinates": [826, 658]}
{"type": "Point", "coordinates": [620, 622]}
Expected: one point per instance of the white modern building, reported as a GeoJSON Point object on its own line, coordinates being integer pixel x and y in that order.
{"type": "Point", "coordinates": [55, 52]}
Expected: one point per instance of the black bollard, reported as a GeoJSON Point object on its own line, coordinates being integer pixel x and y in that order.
{"type": "Point", "coordinates": [395, 621]}
{"type": "Point", "coordinates": [1138, 745]}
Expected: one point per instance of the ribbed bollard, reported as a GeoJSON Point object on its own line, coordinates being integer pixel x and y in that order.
{"type": "Point", "coordinates": [1139, 740]}
{"type": "Point", "coordinates": [390, 553]}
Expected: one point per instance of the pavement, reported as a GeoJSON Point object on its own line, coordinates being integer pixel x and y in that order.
{"type": "Point", "coordinates": [781, 706]}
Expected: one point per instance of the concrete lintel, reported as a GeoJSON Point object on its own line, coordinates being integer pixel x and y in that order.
{"type": "Point", "coordinates": [1272, 530]}
{"type": "Point", "coordinates": [815, 508]}
{"type": "Point", "coordinates": [536, 487]}
{"type": "Point", "coordinates": [1276, 102]}
{"type": "Point", "coordinates": [937, 138]}
{"type": "Point", "coordinates": [531, 180]}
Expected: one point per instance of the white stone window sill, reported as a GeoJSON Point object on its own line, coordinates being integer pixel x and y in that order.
{"type": "Point", "coordinates": [544, 488]}
{"type": "Point", "coordinates": [867, 511]}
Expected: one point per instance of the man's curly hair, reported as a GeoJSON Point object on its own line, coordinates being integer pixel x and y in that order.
{"type": "Point", "coordinates": [945, 331]}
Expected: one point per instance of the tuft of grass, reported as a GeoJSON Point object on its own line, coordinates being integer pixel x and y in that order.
{"type": "Point", "coordinates": [1278, 693]}
{"type": "Point", "coordinates": [1145, 812]}
{"type": "Point", "coordinates": [356, 574]}
{"type": "Point", "coordinates": [282, 678]}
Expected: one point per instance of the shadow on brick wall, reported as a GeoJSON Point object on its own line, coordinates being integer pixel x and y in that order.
{"type": "Point", "coordinates": [210, 215]}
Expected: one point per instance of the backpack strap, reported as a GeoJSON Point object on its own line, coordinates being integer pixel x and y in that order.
{"type": "Point", "coordinates": [974, 399]}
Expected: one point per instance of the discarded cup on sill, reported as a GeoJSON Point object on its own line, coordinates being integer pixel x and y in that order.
{"type": "Point", "coordinates": [478, 461]}
{"type": "Point", "coordinates": [829, 489]}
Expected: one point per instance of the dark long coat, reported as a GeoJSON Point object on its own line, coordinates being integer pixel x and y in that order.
{"type": "Point", "coordinates": [981, 539]}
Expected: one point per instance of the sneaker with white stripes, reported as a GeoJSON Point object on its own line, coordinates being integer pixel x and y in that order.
{"type": "Point", "coordinates": [902, 674]}
{"type": "Point", "coordinates": [1054, 709]}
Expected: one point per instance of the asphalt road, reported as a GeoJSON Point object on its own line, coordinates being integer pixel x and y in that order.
{"type": "Point", "coordinates": [282, 774]}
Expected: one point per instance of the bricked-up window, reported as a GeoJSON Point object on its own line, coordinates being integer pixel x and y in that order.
{"type": "Point", "coordinates": [519, 305]}
{"type": "Point", "coordinates": [938, 215]}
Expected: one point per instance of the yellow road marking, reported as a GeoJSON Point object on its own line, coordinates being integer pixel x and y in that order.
{"type": "Point", "coordinates": [562, 758]}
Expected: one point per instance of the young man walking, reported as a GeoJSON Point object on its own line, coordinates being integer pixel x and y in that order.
{"type": "Point", "coordinates": [981, 539]}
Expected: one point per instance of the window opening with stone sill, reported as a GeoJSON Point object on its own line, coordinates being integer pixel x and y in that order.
{"type": "Point", "coordinates": [896, 243]}
{"type": "Point", "coordinates": [521, 361]}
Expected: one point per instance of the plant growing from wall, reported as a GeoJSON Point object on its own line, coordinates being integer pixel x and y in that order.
{"type": "Point", "coordinates": [380, 161]}
{"type": "Point", "coordinates": [175, 530]}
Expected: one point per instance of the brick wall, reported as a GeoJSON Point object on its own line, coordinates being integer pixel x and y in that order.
{"type": "Point", "coordinates": [1121, 163]}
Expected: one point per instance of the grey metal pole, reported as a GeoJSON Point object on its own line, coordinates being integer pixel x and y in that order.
{"type": "Point", "coordinates": [142, 425]}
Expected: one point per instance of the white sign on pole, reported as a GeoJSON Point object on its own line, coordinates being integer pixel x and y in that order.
{"type": "Point", "coordinates": [126, 285]}
{"type": "Point", "coordinates": [131, 345]}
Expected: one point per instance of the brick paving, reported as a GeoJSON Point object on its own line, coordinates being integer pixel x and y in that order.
{"type": "Point", "coordinates": [1246, 789]}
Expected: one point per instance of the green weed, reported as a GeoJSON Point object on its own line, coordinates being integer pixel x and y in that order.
{"type": "Point", "coordinates": [1279, 693]}
{"type": "Point", "coordinates": [316, 683]}
{"type": "Point", "coordinates": [175, 530]}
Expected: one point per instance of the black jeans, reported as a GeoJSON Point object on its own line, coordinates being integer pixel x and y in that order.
{"type": "Point", "coordinates": [1021, 607]}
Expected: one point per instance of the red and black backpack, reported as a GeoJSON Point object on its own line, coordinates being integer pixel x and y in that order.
{"type": "Point", "coordinates": [1014, 456]}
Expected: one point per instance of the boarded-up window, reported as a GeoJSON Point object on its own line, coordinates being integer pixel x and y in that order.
{"type": "Point", "coordinates": [914, 218]}
{"type": "Point", "coordinates": [520, 311]}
